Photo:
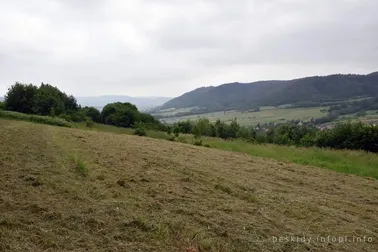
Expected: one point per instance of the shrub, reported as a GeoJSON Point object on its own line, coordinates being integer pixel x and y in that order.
{"type": "Point", "coordinates": [307, 140]}
{"type": "Point", "coordinates": [34, 118]}
{"type": "Point", "coordinates": [78, 116]}
{"type": "Point", "coordinates": [89, 123]}
{"type": "Point", "coordinates": [172, 138]}
{"type": "Point", "coordinates": [354, 136]}
{"type": "Point", "coordinates": [198, 142]}
{"type": "Point", "coordinates": [182, 139]}
{"type": "Point", "coordinates": [261, 137]}
{"type": "Point", "coordinates": [66, 117]}
{"type": "Point", "coordinates": [176, 131]}
{"type": "Point", "coordinates": [169, 130]}
{"type": "Point", "coordinates": [2, 105]}
{"type": "Point", "coordinates": [282, 139]}
{"type": "Point", "coordinates": [120, 114]}
{"type": "Point", "coordinates": [93, 113]}
{"type": "Point", "coordinates": [140, 132]}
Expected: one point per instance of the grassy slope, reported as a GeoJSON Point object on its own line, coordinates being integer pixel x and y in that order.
{"type": "Point", "coordinates": [143, 194]}
{"type": "Point", "coordinates": [354, 162]}
{"type": "Point", "coordinates": [12, 115]}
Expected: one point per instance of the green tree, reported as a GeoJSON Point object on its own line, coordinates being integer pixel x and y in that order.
{"type": "Point", "coordinates": [169, 130]}
{"type": "Point", "coordinates": [203, 127]}
{"type": "Point", "coordinates": [176, 131]}
{"type": "Point", "coordinates": [186, 127]}
{"type": "Point", "coordinates": [48, 97]}
{"type": "Point", "coordinates": [21, 97]}
{"type": "Point", "coordinates": [120, 114]}
{"type": "Point", "coordinates": [197, 132]}
{"type": "Point", "coordinates": [92, 113]}
{"type": "Point", "coordinates": [234, 128]}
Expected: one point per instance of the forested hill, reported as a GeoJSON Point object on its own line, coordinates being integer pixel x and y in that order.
{"type": "Point", "coordinates": [301, 92]}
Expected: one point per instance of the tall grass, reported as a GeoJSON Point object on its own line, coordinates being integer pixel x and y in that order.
{"type": "Point", "coordinates": [345, 161]}
{"type": "Point", "coordinates": [80, 166]}
{"type": "Point", "coordinates": [34, 118]}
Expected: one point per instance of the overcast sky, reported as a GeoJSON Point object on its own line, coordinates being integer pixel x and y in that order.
{"type": "Point", "coordinates": [168, 47]}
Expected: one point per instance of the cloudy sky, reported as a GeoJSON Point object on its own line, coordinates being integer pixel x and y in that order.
{"type": "Point", "coordinates": [168, 47]}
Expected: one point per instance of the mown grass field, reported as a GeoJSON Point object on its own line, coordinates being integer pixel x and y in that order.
{"type": "Point", "coordinates": [345, 161]}
{"type": "Point", "coordinates": [266, 115]}
{"type": "Point", "coordinates": [67, 189]}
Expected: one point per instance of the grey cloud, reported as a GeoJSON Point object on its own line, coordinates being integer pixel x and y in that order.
{"type": "Point", "coordinates": [168, 47]}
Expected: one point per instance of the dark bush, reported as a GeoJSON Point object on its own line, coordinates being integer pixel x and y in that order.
{"type": "Point", "coordinates": [171, 138]}
{"type": "Point", "coordinates": [89, 123]}
{"type": "Point", "coordinates": [43, 100]}
{"type": "Point", "coordinates": [92, 113]}
{"type": "Point", "coordinates": [140, 132]}
{"type": "Point", "coordinates": [198, 142]}
{"type": "Point", "coordinates": [21, 98]}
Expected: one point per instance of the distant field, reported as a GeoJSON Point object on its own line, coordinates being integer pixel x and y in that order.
{"type": "Point", "coordinates": [172, 112]}
{"type": "Point", "coordinates": [347, 100]}
{"type": "Point", "coordinates": [371, 116]}
{"type": "Point", "coordinates": [67, 189]}
{"type": "Point", "coordinates": [267, 114]}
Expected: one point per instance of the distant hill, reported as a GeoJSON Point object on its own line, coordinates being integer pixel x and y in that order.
{"type": "Point", "coordinates": [375, 73]}
{"type": "Point", "coordinates": [300, 92]}
{"type": "Point", "coordinates": [143, 103]}
{"type": "Point", "coordinates": [1, 98]}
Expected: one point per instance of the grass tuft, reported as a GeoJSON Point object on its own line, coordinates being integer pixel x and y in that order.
{"type": "Point", "coordinates": [223, 188]}
{"type": "Point", "coordinates": [80, 166]}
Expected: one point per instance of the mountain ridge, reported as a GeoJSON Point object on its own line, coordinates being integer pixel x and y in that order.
{"type": "Point", "coordinates": [301, 92]}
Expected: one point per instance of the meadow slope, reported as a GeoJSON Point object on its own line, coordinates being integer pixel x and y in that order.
{"type": "Point", "coordinates": [64, 189]}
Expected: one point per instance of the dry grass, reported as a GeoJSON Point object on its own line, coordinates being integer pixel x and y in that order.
{"type": "Point", "coordinates": [142, 194]}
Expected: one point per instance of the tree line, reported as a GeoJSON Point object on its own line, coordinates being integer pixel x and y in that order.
{"type": "Point", "coordinates": [354, 107]}
{"type": "Point", "coordinates": [47, 100]}
{"type": "Point", "coordinates": [354, 136]}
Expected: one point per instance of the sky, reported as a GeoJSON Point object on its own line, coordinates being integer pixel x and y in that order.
{"type": "Point", "coordinates": [169, 47]}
